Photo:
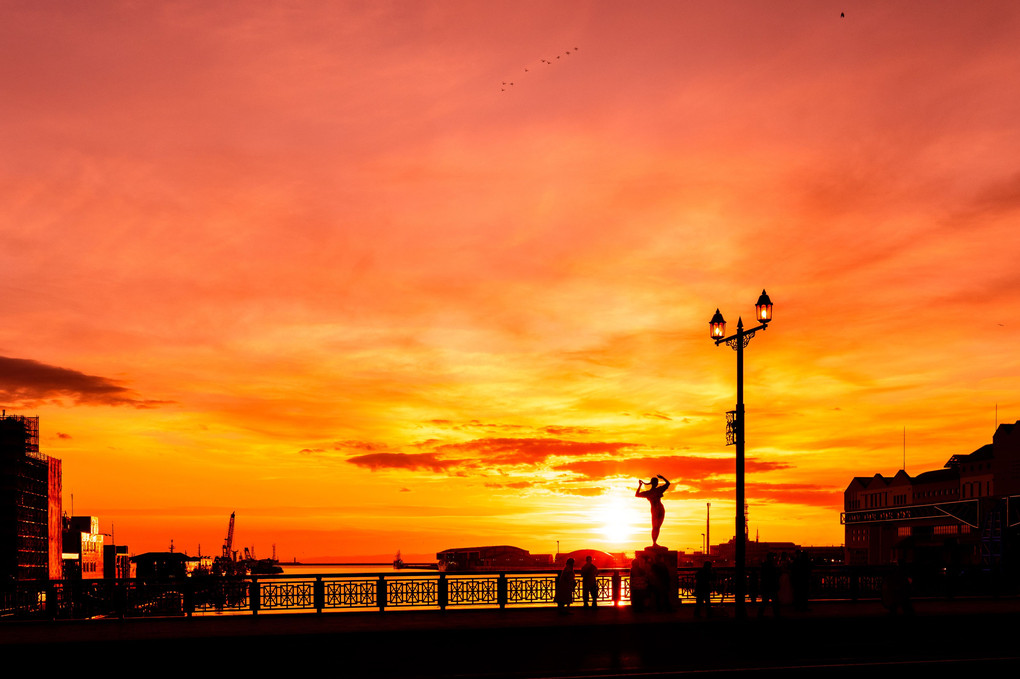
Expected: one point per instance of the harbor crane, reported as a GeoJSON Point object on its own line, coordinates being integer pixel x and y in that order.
{"type": "Point", "coordinates": [228, 544]}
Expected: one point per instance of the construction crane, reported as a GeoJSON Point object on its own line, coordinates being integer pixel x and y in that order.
{"type": "Point", "coordinates": [228, 544]}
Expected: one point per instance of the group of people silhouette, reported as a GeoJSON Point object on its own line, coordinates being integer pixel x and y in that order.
{"type": "Point", "coordinates": [566, 582]}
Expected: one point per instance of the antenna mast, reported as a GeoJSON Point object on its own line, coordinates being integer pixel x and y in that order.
{"type": "Point", "coordinates": [904, 449]}
{"type": "Point", "coordinates": [708, 528]}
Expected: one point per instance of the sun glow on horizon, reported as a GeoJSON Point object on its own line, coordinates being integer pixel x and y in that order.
{"type": "Point", "coordinates": [620, 520]}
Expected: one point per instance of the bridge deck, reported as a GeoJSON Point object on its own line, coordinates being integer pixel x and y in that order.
{"type": "Point", "coordinates": [531, 642]}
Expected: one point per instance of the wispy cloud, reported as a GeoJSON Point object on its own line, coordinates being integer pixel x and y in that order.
{"type": "Point", "coordinates": [28, 383]}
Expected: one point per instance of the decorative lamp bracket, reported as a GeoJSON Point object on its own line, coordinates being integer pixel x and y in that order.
{"type": "Point", "coordinates": [734, 341]}
{"type": "Point", "coordinates": [731, 427]}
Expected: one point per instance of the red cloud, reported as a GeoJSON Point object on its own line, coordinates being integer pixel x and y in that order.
{"type": "Point", "coordinates": [412, 461]}
{"type": "Point", "coordinates": [530, 450]}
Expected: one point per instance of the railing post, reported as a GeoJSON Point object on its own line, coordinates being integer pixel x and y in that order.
{"type": "Point", "coordinates": [189, 596]}
{"type": "Point", "coordinates": [380, 592]}
{"type": "Point", "coordinates": [501, 590]}
{"type": "Point", "coordinates": [254, 598]}
{"type": "Point", "coordinates": [319, 594]}
{"type": "Point", "coordinates": [617, 588]}
{"type": "Point", "coordinates": [444, 592]}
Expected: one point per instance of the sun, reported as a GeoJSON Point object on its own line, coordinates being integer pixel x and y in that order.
{"type": "Point", "coordinates": [619, 522]}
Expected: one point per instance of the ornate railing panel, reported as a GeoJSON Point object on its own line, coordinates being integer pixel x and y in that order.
{"type": "Point", "coordinates": [412, 592]}
{"type": "Point", "coordinates": [286, 595]}
{"type": "Point", "coordinates": [472, 590]}
{"type": "Point", "coordinates": [350, 593]}
{"type": "Point", "coordinates": [533, 589]}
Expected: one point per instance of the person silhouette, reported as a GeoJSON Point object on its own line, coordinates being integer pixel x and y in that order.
{"type": "Point", "coordinates": [565, 586]}
{"type": "Point", "coordinates": [654, 497]}
{"type": "Point", "coordinates": [589, 582]}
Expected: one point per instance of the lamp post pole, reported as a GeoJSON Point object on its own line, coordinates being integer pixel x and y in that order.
{"type": "Point", "coordinates": [735, 435]}
{"type": "Point", "coordinates": [740, 539]}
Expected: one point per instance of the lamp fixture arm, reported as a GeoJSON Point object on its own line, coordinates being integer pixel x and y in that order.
{"type": "Point", "coordinates": [741, 333]}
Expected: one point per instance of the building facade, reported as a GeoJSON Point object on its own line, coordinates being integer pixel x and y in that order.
{"type": "Point", "coordinates": [30, 504]}
{"type": "Point", "coordinates": [117, 562]}
{"type": "Point", "coordinates": [965, 514]}
{"type": "Point", "coordinates": [83, 548]}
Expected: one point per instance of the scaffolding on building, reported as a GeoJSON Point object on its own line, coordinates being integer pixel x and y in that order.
{"type": "Point", "coordinates": [24, 500]}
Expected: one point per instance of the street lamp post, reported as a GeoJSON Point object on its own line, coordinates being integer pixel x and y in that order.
{"type": "Point", "coordinates": [735, 431]}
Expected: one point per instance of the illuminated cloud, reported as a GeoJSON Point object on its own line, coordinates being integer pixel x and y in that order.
{"type": "Point", "coordinates": [484, 455]}
{"type": "Point", "coordinates": [407, 461]}
{"type": "Point", "coordinates": [530, 451]}
{"type": "Point", "coordinates": [26, 383]}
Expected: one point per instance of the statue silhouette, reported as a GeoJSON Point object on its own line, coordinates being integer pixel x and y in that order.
{"type": "Point", "coordinates": [654, 497]}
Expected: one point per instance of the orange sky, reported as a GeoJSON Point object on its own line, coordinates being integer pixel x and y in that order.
{"type": "Point", "coordinates": [315, 263]}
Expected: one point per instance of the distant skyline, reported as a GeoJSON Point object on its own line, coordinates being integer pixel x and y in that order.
{"type": "Point", "coordinates": [316, 264]}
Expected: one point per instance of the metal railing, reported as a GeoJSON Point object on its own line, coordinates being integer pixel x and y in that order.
{"type": "Point", "coordinates": [296, 593]}
{"type": "Point", "coordinates": [376, 591]}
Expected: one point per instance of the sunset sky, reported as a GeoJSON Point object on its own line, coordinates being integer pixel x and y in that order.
{"type": "Point", "coordinates": [315, 263]}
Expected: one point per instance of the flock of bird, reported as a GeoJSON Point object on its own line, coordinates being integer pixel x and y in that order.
{"type": "Point", "coordinates": [506, 84]}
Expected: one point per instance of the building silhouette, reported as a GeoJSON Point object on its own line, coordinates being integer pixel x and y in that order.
{"type": "Point", "coordinates": [965, 514]}
{"type": "Point", "coordinates": [30, 506]}
{"type": "Point", "coordinates": [117, 562]}
{"type": "Point", "coordinates": [84, 550]}
{"type": "Point", "coordinates": [495, 557]}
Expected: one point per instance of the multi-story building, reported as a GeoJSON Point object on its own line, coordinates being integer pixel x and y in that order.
{"type": "Point", "coordinates": [83, 548]}
{"type": "Point", "coordinates": [117, 562]}
{"type": "Point", "coordinates": [30, 506]}
{"type": "Point", "coordinates": [964, 514]}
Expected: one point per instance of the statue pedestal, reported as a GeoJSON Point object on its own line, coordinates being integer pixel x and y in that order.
{"type": "Point", "coordinates": [662, 561]}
